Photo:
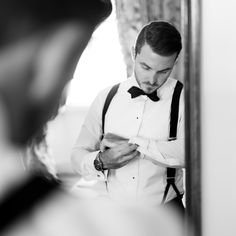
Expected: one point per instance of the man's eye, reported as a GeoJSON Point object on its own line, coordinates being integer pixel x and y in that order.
{"type": "Point", "coordinates": [146, 68]}
{"type": "Point", "coordinates": [164, 72]}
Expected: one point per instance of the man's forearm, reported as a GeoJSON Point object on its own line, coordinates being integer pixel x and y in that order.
{"type": "Point", "coordinates": [164, 153]}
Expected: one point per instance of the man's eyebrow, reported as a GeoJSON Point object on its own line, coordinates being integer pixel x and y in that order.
{"type": "Point", "coordinates": [166, 69]}
{"type": "Point", "coordinates": [160, 71]}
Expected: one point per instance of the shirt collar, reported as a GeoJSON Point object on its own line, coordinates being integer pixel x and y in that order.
{"type": "Point", "coordinates": [132, 81]}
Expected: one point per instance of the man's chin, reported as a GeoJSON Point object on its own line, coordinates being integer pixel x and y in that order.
{"type": "Point", "coordinates": [149, 90]}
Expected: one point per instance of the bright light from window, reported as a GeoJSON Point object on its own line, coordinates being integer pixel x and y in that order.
{"type": "Point", "coordinates": [100, 65]}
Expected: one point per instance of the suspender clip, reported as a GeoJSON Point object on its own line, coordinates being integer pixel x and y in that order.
{"type": "Point", "coordinates": [172, 139]}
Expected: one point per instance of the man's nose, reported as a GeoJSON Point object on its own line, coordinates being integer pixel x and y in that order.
{"type": "Point", "coordinates": [153, 78]}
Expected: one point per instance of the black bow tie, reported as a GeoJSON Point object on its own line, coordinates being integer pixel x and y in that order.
{"type": "Point", "coordinates": [135, 92]}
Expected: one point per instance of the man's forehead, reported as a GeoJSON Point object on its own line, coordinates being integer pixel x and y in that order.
{"type": "Point", "coordinates": [155, 61]}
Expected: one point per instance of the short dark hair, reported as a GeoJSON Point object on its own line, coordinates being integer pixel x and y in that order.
{"type": "Point", "coordinates": [22, 18]}
{"type": "Point", "coordinates": [161, 36]}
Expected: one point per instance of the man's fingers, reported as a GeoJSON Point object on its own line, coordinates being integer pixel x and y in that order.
{"type": "Point", "coordinates": [127, 158]}
{"type": "Point", "coordinates": [125, 149]}
{"type": "Point", "coordinates": [106, 144]}
{"type": "Point", "coordinates": [130, 156]}
{"type": "Point", "coordinates": [115, 157]}
{"type": "Point", "coordinates": [114, 137]}
{"type": "Point", "coordinates": [110, 143]}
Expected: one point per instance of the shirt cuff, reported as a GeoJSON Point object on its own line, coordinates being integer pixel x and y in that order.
{"type": "Point", "coordinates": [144, 146]}
{"type": "Point", "coordinates": [89, 166]}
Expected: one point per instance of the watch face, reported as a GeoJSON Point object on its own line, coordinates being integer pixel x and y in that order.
{"type": "Point", "coordinates": [97, 165]}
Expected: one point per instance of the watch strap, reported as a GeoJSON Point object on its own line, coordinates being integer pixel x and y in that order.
{"type": "Point", "coordinates": [98, 164]}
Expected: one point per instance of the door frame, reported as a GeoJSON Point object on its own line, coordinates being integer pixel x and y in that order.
{"type": "Point", "coordinates": [192, 43]}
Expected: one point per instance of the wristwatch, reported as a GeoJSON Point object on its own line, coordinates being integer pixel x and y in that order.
{"type": "Point", "coordinates": [98, 163]}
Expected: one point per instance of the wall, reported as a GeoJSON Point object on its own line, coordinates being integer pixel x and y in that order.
{"type": "Point", "coordinates": [218, 95]}
{"type": "Point", "coordinates": [133, 15]}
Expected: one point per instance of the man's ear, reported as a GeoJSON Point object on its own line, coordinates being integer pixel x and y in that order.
{"type": "Point", "coordinates": [176, 60]}
{"type": "Point", "coordinates": [133, 53]}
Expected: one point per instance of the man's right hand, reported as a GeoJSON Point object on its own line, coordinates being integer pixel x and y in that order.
{"type": "Point", "coordinates": [119, 155]}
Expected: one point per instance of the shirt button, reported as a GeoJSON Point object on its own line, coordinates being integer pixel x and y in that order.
{"type": "Point", "coordinates": [133, 177]}
{"type": "Point", "coordinates": [137, 117]}
{"type": "Point", "coordinates": [98, 175]}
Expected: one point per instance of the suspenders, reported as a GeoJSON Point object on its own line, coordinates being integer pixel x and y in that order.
{"type": "Point", "coordinates": [109, 97]}
{"type": "Point", "coordinates": [174, 114]}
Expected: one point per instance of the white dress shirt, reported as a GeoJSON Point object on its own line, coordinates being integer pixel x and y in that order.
{"type": "Point", "coordinates": [145, 123]}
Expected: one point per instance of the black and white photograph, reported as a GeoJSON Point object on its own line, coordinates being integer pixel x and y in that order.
{"type": "Point", "coordinates": [117, 118]}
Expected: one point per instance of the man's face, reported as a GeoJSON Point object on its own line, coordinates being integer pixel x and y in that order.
{"type": "Point", "coordinates": [152, 70]}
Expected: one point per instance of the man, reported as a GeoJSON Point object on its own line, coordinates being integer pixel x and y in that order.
{"type": "Point", "coordinates": [135, 151]}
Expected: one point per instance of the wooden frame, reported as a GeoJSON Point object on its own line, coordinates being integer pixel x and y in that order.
{"type": "Point", "coordinates": [192, 26]}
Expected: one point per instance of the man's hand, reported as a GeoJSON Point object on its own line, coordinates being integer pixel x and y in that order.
{"type": "Point", "coordinates": [111, 140]}
{"type": "Point", "coordinates": [118, 156]}
{"type": "Point", "coordinates": [116, 151]}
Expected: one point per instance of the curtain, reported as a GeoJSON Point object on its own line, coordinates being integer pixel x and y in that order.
{"type": "Point", "coordinates": [132, 15]}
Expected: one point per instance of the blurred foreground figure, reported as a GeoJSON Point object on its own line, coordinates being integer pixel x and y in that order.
{"type": "Point", "coordinates": [37, 157]}
{"type": "Point", "coordinates": [40, 44]}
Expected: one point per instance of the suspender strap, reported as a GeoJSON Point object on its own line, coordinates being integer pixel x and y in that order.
{"type": "Point", "coordinates": [109, 97]}
{"type": "Point", "coordinates": [174, 114]}
{"type": "Point", "coordinates": [175, 110]}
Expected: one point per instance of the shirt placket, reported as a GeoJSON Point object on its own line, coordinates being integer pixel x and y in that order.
{"type": "Point", "coordinates": [139, 120]}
